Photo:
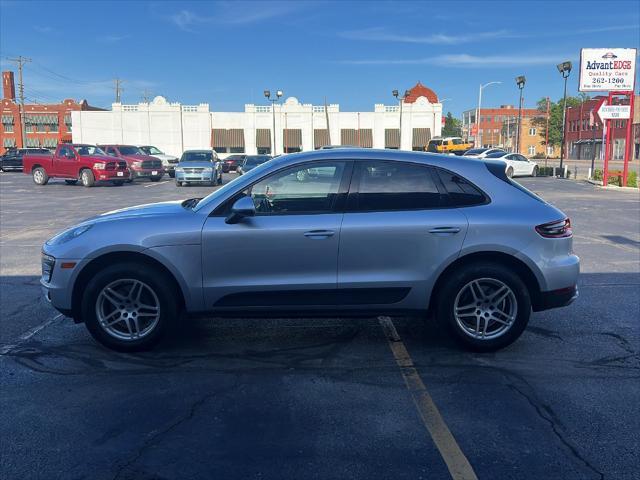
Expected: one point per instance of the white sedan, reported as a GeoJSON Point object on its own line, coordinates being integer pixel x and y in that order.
{"type": "Point", "coordinates": [517, 165]}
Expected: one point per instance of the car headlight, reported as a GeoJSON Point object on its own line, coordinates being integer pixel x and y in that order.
{"type": "Point", "coordinates": [68, 235]}
{"type": "Point", "coordinates": [99, 166]}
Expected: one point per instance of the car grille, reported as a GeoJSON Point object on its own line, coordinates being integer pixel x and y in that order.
{"type": "Point", "coordinates": [122, 165]}
{"type": "Point", "coordinates": [151, 164]}
{"type": "Point", "coordinates": [110, 166]}
{"type": "Point", "coordinates": [193, 170]}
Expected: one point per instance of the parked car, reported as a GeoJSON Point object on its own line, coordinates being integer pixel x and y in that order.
{"type": "Point", "coordinates": [381, 231]}
{"type": "Point", "coordinates": [199, 166]}
{"type": "Point", "coordinates": [140, 164]}
{"type": "Point", "coordinates": [482, 152]}
{"type": "Point", "coordinates": [516, 165]}
{"type": "Point", "coordinates": [455, 145]}
{"type": "Point", "coordinates": [11, 161]}
{"type": "Point", "coordinates": [74, 162]}
{"type": "Point", "coordinates": [232, 162]}
{"type": "Point", "coordinates": [169, 162]}
{"type": "Point", "coordinates": [251, 162]}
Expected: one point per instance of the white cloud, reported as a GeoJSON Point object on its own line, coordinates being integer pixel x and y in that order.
{"type": "Point", "coordinates": [381, 34]}
{"type": "Point", "coordinates": [464, 60]}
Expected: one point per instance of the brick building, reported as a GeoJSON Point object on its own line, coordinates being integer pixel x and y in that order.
{"type": "Point", "coordinates": [531, 139]}
{"type": "Point", "coordinates": [582, 138]}
{"type": "Point", "coordinates": [46, 125]}
{"type": "Point", "coordinates": [491, 124]}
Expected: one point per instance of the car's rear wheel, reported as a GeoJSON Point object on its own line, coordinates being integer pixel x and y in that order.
{"type": "Point", "coordinates": [87, 178]}
{"type": "Point", "coordinates": [484, 306]}
{"type": "Point", "coordinates": [510, 172]}
{"type": "Point", "coordinates": [71, 182]}
{"type": "Point", "coordinates": [129, 306]}
{"type": "Point", "coordinates": [534, 173]}
{"type": "Point", "coordinates": [40, 176]}
{"type": "Point", "coordinates": [172, 174]}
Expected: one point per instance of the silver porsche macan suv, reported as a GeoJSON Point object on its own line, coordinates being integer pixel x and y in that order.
{"type": "Point", "coordinates": [332, 232]}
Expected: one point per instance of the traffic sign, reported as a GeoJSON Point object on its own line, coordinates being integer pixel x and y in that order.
{"type": "Point", "coordinates": [614, 112]}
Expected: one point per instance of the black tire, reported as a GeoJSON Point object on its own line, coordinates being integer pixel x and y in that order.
{"type": "Point", "coordinates": [157, 178]}
{"type": "Point", "coordinates": [178, 183]}
{"type": "Point", "coordinates": [454, 284]}
{"type": "Point", "coordinates": [510, 172]}
{"type": "Point", "coordinates": [118, 183]}
{"type": "Point", "coordinates": [535, 172]}
{"type": "Point", "coordinates": [172, 174]}
{"type": "Point", "coordinates": [162, 285]}
{"type": "Point", "coordinates": [129, 181]}
{"type": "Point", "coordinates": [40, 176]}
{"type": "Point", "coordinates": [219, 182]}
{"type": "Point", "coordinates": [71, 182]}
{"type": "Point", "coordinates": [87, 178]}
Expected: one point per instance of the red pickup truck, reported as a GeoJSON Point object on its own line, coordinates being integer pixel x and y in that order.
{"type": "Point", "coordinates": [73, 162]}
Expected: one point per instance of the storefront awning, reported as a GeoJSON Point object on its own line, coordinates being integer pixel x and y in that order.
{"type": "Point", "coordinates": [235, 138]}
{"type": "Point", "coordinates": [365, 138]}
{"type": "Point", "coordinates": [263, 138]}
{"type": "Point", "coordinates": [392, 138]}
{"type": "Point", "coordinates": [218, 138]}
{"type": "Point", "coordinates": [348, 136]}
{"type": "Point", "coordinates": [421, 137]}
{"type": "Point", "coordinates": [292, 138]}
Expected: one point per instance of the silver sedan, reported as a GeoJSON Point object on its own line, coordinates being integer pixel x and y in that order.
{"type": "Point", "coordinates": [344, 231]}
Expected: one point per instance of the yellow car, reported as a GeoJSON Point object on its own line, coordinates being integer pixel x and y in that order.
{"type": "Point", "coordinates": [455, 145]}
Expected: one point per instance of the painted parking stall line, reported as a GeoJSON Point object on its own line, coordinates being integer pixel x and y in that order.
{"type": "Point", "coordinates": [28, 334]}
{"type": "Point", "coordinates": [155, 184]}
{"type": "Point", "coordinates": [457, 463]}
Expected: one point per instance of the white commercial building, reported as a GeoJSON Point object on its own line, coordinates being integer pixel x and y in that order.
{"type": "Point", "coordinates": [174, 128]}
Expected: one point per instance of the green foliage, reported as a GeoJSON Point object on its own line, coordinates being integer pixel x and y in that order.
{"type": "Point", "coordinates": [545, 171]}
{"type": "Point", "coordinates": [452, 126]}
{"type": "Point", "coordinates": [632, 178]}
{"type": "Point", "coordinates": [555, 118]}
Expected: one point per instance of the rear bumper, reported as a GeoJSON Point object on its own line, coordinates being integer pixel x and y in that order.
{"type": "Point", "coordinates": [556, 298]}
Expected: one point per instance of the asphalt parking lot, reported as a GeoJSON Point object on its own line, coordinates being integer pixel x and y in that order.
{"type": "Point", "coordinates": [321, 398]}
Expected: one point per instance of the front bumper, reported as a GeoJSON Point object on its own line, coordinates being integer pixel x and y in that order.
{"type": "Point", "coordinates": [204, 177]}
{"type": "Point", "coordinates": [146, 173]}
{"type": "Point", "coordinates": [110, 175]}
{"type": "Point", "coordinates": [56, 282]}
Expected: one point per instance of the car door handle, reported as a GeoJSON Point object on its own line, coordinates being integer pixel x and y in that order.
{"type": "Point", "coordinates": [444, 230]}
{"type": "Point", "coordinates": [319, 234]}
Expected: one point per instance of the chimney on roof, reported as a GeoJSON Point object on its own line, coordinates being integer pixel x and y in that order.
{"type": "Point", "coordinates": [8, 86]}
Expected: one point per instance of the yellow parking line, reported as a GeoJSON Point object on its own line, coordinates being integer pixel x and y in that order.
{"type": "Point", "coordinates": [458, 465]}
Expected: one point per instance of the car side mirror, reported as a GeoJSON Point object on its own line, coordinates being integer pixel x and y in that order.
{"type": "Point", "coordinates": [243, 207]}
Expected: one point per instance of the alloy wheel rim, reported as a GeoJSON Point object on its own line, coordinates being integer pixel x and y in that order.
{"type": "Point", "coordinates": [38, 176]}
{"type": "Point", "coordinates": [128, 309]}
{"type": "Point", "coordinates": [485, 308]}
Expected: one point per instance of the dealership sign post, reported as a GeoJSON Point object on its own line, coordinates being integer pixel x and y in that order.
{"type": "Point", "coordinates": [611, 70]}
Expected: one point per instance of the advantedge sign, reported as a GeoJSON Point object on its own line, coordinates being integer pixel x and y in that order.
{"type": "Point", "coordinates": [606, 69]}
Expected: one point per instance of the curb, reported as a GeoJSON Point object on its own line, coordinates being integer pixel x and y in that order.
{"type": "Point", "coordinates": [598, 183]}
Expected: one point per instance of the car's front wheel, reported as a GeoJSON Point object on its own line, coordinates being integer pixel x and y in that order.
{"type": "Point", "coordinates": [484, 306]}
{"type": "Point", "coordinates": [129, 306]}
{"type": "Point", "coordinates": [87, 178]}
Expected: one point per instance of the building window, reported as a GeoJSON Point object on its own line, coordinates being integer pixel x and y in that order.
{"type": "Point", "coordinates": [8, 127]}
{"type": "Point", "coordinates": [236, 149]}
{"type": "Point", "coordinates": [53, 127]}
{"type": "Point", "coordinates": [549, 150]}
{"type": "Point", "coordinates": [531, 150]}
{"type": "Point", "coordinates": [30, 128]}
{"type": "Point", "coordinates": [40, 128]}
{"type": "Point", "coordinates": [264, 150]}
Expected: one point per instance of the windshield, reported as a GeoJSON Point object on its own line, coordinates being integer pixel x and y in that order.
{"type": "Point", "coordinates": [197, 157]}
{"type": "Point", "coordinates": [88, 150]}
{"type": "Point", "coordinates": [151, 151]}
{"type": "Point", "coordinates": [128, 150]}
{"type": "Point", "coordinates": [475, 151]}
{"type": "Point", "coordinates": [222, 191]}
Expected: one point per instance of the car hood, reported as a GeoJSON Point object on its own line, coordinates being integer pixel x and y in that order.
{"type": "Point", "coordinates": [147, 210]}
{"type": "Point", "coordinates": [164, 157]}
{"type": "Point", "coordinates": [196, 164]}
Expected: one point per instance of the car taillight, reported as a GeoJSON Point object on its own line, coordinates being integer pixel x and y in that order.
{"type": "Point", "coordinates": [556, 229]}
{"type": "Point", "coordinates": [99, 166]}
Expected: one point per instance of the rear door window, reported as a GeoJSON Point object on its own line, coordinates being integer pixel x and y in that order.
{"type": "Point", "coordinates": [460, 191]}
{"type": "Point", "coordinates": [390, 186]}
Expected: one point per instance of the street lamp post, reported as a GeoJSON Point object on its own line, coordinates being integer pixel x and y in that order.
{"type": "Point", "coordinates": [520, 81]}
{"type": "Point", "coordinates": [565, 69]}
{"type": "Point", "coordinates": [442, 100]}
{"type": "Point", "coordinates": [478, 137]}
{"type": "Point", "coordinates": [267, 94]}
{"type": "Point", "coordinates": [401, 100]}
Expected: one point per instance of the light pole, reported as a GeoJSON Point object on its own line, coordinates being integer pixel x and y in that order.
{"type": "Point", "coordinates": [273, 101]}
{"type": "Point", "coordinates": [478, 137]}
{"type": "Point", "coordinates": [565, 69]}
{"type": "Point", "coordinates": [401, 100]}
{"type": "Point", "coordinates": [442, 100]}
{"type": "Point", "coordinates": [520, 81]}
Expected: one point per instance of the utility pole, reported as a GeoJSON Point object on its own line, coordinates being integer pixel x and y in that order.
{"type": "Point", "coordinates": [20, 61]}
{"type": "Point", "coordinates": [118, 88]}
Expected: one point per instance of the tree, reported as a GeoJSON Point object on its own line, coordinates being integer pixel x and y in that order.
{"type": "Point", "coordinates": [452, 126]}
{"type": "Point", "coordinates": [555, 118]}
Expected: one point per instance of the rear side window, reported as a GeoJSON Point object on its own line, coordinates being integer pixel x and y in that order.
{"type": "Point", "coordinates": [388, 186]}
{"type": "Point", "coordinates": [460, 191]}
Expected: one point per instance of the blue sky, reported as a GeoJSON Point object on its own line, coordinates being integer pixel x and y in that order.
{"type": "Point", "coordinates": [354, 53]}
